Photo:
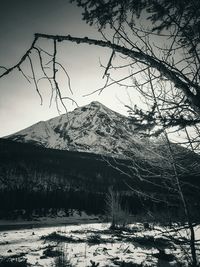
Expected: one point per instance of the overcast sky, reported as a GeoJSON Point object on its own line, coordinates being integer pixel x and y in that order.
{"type": "Point", "coordinates": [19, 103]}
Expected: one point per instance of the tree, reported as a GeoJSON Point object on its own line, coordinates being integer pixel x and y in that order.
{"type": "Point", "coordinates": [165, 36]}
{"type": "Point", "coordinates": [176, 61]}
{"type": "Point", "coordinates": [163, 179]}
{"type": "Point", "coordinates": [119, 216]}
{"type": "Point", "coordinates": [168, 45]}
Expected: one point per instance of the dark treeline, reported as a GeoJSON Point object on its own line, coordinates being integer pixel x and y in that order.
{"type": "Point", "coordinates": [36, 178]}
{"type": "Point", "coordinates": [33, 177]}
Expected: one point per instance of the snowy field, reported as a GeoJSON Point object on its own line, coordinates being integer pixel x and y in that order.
{"type": "Point", "coordinates": [94, 244]}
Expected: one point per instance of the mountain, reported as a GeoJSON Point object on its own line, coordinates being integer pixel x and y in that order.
{"type": "Point", "coordinates": [92, 128]}
{"type": "Point", "coordinates": [70, 162]}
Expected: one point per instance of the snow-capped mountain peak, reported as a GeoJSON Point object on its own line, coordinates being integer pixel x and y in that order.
{"type": "Point", "coordinates": [91, 128]}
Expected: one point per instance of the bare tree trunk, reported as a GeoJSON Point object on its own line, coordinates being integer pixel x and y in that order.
{"type": "Point", "coordinates": [180, 191]}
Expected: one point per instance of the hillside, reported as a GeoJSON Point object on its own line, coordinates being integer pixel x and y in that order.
{"type": "Point", "coordinates": [92, 128]}
{"type": "Point", "coordinates": [72, 160]}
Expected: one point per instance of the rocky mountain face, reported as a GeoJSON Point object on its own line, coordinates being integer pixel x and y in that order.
{"type": "Point", "coordinates": [92, 128]}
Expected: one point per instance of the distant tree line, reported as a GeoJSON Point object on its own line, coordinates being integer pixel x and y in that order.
{"type": "Point", "coordinates": [36, 178]}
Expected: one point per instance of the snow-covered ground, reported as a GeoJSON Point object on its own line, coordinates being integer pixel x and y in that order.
{"type": "Point", "coordinates": [80, 245]}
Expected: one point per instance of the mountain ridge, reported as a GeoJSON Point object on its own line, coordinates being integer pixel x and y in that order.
{"type": "Point", "coordinates": [94, 128]}
{"type": "Point", "coordinates": [81, 154]}
{"type": "Point", "coordinates": [91, 128]}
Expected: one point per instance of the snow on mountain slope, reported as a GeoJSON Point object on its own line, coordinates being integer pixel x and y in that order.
{"type": "Point", "coordinates": [92, 128]}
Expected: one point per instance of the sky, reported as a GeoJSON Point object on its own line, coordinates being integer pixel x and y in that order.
{"type": "Point", "coordinates": [19, 103]}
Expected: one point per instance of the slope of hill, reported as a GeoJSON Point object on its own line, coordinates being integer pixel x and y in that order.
{"type": "Point", "coordinates": [36, 177]}
{"type": "Point", "coordinates": [70, 161]}
{"type": "Point", "coordinates": [92, 128]}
